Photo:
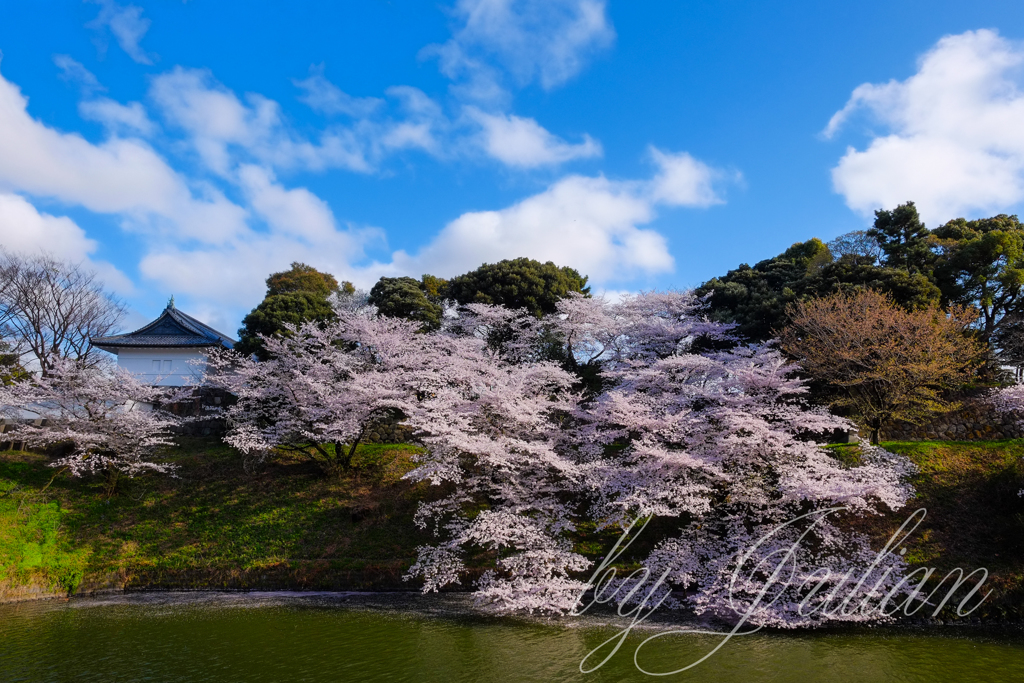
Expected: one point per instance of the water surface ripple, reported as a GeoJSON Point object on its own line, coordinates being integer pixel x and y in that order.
{"type": "Point", "coordinates": [255, 637]}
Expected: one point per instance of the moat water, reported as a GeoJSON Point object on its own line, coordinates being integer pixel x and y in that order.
{"type": "Point", "coordinates": [330, 637]}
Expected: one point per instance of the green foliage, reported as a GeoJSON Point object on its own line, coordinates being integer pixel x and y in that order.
{"type": "Point", "coordinates": [270, 317]}
{"type": "Point", "coordinates": [903, 238]}
{"type": "Point", "coordinates": [982, 264]}
{"type": "Point", "coordinates": [520, 283]}
{"type": "Point", "coordinates": [435, 288]}
{"type": "Point", "coordinates": [404, 297]}
{"type": "Point", "coordinates": [912, 291]}
{"type": "Point", "coordinates": [977, 263]}
{"type": "Point", "coordinates": [34, 549]}
{"type": "Point", "coordinates": [294, 296]}
{"type": "Point", "coordinates": [286, 526]}
{"type": "Point", "coordinates": [856, 246]}
{"type": "Point", "coordinates": [756, 298]}
{"type": "Point", "coordinates": [302, 278]}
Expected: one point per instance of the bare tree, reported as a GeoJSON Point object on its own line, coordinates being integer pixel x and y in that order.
{"type": "Point", "coordinates": [883, 362]}
{"type": "Point", "coordinates": [51, 308]}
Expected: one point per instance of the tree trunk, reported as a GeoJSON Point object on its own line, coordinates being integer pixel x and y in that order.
{"type": "Point", "coordinates": [112, 476]}
{"type": "Point", "coordinates": [352, 451]}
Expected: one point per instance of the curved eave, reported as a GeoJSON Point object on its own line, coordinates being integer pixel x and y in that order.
{"type": "Point", "coordinates": [107, 346]}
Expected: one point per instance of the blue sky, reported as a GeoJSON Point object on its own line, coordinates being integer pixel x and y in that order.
{"type": "Point", "coordinates": [191, 148]}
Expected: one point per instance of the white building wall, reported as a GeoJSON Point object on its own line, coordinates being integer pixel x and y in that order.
{"type": "Point", "coordinates": [166, 367]}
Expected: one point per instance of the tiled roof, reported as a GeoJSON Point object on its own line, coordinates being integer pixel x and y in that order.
{"type": "Point", "coordinates": [172, 328]}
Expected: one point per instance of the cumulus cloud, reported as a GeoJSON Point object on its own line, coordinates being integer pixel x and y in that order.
{"type": "Point", "coordinates": [524, 143]}
{"type": "Point", "coordinates": [953, 142]}
{"type": "Point", "coordinates": [120, 176]}
{"type": "Point", "coordinates": [297, 212]}
{"type": "Point", "coordinates": [685, 181]}
{"type": "Point", "coordinates": [26, 230]}
{"type": "Point", "coordinates": [547, 41]}
{"type": "Point", "coordinates": [589, 223]}
{"type": "Point", "coordinates": [593, 224]}
{"type": "Point", "coordinates": [127, 25]}
{"type": "Point", "coordinates": [299, 226]}
{"type": "Point", "coordinates": [128, 118]}
{"type": "Point", "coordinates": [222, 127]}
{"type": "Point", "coordinates": [231, 277]}
{"type": "Point", "coordinates": [419, 127]}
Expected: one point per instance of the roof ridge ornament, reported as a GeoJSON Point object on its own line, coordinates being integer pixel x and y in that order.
{"type": "Point", "coordinates": [170, 304]}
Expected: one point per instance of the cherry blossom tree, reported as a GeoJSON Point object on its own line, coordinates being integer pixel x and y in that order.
{"type": "Point", "coordinates": [719, 441]}
{"type": "Point", "coordinates": [722, 443]}
{"type": "Point", "coordinates": [1010, 400]}
{"type": "Point", "coordinates": [490, 428]}
{"type": "Point", "coordinates": [493, 433]}
{"type": "Point", "coordinates": [106, 417]}
{"type": "Point", "coordinates": [322, 386]}
{"type": "Point", "coordinates": [719, 445]}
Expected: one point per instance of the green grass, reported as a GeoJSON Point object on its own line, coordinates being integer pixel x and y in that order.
{"type": "Point", "coordinates": [285, 525]}
{"type": "Point", "coordinates": [974, 516]}
{"type": "Point", "coordinates": [33, 548]}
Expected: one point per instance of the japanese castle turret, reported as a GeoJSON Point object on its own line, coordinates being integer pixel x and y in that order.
{"type": "Point", "coordinates": [159, 353]}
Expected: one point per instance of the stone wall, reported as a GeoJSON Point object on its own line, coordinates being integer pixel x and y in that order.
{"type": "Point", "coordinates": [388, 430]}
{"type": "Point", "coordinates": [976, 419]}
{"type": "Point", "coordinates": [201, 413]}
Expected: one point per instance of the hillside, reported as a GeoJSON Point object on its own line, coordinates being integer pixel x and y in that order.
{"type": "Point", "coordinates": [286, 526]}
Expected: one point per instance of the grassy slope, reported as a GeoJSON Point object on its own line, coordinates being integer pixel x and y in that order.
{"type": "Point", "coordinates": [975, 518]}
{"type": "Point", "coordinates": [216, 526]}
{"type": "Point", "coordinates": [288, 526]}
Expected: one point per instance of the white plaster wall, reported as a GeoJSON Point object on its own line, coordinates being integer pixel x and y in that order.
{"type": "Point", "coordinates": [166, 367]}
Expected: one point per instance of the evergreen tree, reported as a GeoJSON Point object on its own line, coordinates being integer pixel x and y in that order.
{"type": "Point", "coordinates": [903, 238]}
{"type": "Point", "coordinates": [407, 298]}
{"type": "Point", "coordinates": [520, 283]}
{"type": "Point", "coordinates": [300, 294]}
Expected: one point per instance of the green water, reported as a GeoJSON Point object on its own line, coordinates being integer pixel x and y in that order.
{"type": "Point", "coordinates": [275, 638]}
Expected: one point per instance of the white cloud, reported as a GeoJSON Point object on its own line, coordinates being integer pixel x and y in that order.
{"type": "Point", "coordinates": [590, 224]}
{"type": "Point", "coordinates": [116, 117]}
{"type": "Point", "coordinates": [75, 73]}
{"type": "Point", "coordinates": [24, 229]}
{"type": "Point", "coordinates": [954, 144]}
{"type": "Point", "coordinates": [299, 227]}
{"type": "Point", "coordinates": [524, 143]}
{"type": "Point", "coordinates": [232, 276]}
{"type": "Point", "coordinates": [297, 212]}
{"type": "Point", "coordinates": [120, 176]}
{"type": "Point", "coordinates": [126, 24]}
{"type": "Point", "coordinates": [221, 126]}
{"type": "Point", "coordinates": [420, 127]}
{"type": "Point", "coordinates": [684, 181]}
{"type": "Point", "coordinates": [548, 41]}
{"type": "Point", "coordinates": [587, 223]}
{"type": "Point", "coordinates": [128, 118]}
{"type": "Point", "coordinates": [323, 96]}
{"type": "Point", "coordinates": [614, 295]}
{"type": "Point", "coordinates": [226, 130]}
